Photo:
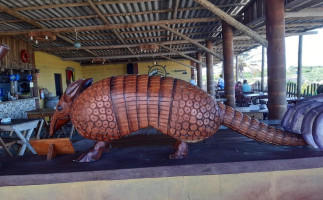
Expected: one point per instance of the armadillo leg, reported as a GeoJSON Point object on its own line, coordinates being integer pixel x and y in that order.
{"type": "Point", "coordinates": [95, 152]}
{"type": "Point", "coordinates": [181, 150]}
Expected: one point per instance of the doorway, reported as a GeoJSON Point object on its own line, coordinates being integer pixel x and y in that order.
{"type": "Point", "coordinates": [58, 84]}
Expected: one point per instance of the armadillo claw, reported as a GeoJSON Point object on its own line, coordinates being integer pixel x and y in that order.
{"type": "Point", "coordinates": [181, 151]}
{"type": "Point", "coordinates": [94, 153]}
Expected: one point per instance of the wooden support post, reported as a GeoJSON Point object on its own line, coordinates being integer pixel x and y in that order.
{"type": "Point", "coordinates": [275, 32]}
{"type": "Point", "coordinates": [209, 70]}
{"type": "Point", "coordinates": [299, 68]}
{"type": "Point", "coordinates": [262, 68]}
{"type": "Point", "coordinates": [237, 71]}
{"type": "Point", "coordinates": [199, 70]}
{"type": "Point", "coordinates": [227, 33]}
{"type": "Point", "coordinates": [51, 152]}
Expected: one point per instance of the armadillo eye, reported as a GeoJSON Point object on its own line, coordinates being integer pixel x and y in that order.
{"type": "Point", "coordinates": [59, 108]}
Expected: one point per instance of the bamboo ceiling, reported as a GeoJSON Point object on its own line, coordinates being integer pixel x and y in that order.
{"type": "Point", "coordinates": [114, 29]}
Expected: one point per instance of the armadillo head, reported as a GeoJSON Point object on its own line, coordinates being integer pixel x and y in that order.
{"type": "Point", "coordinates": [62, 112]}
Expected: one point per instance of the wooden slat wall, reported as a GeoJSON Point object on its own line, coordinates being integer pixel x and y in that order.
{"type": "Point", "coordinates": [16, 45]}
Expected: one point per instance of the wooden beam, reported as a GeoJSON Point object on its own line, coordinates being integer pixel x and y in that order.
{"type": "Point", "coordinates": [130, 61]}
{"type": "Point", "coordinates": [113, 26]}
{"type": "Point", "coordinates": [145, 31]}
{"type": "Point", "coordinates": [233, 22]}
{"type": "Point", "coordinates": [243, 37]}
{"type": "Point", "coordinates": [127, 56]}
{"type": "Point", "coordinates": [65, 5]}
{"type": "Point", "coordinates": [192, 41]}
{"type": "Point", "coordinates": [303, 14]}
{"type": "Point", "coordinates": [114, 46]}
{"type": "Point", "coordinates": [170, 59]}
{"type": "Point", "coordinates": [116, 2]}
{"type": "Point", "coordinates": [119, 14]}
{"type": "Point", "coordinates": [182, 54]}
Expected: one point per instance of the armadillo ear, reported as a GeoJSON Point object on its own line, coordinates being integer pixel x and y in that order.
{"type": "Point", "coordinates": [73, 87]}
{"type": "Point", "coordinates": [88, 82]}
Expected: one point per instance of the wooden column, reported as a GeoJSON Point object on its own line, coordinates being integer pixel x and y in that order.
{"type": "Point", "coordinates": [209, 69]}
{"type": "Point", "coordinates": [262, 68]}
{"type": "Point", "coordinates": [227, 33]}
{"type": "Point", "coordinates": [237, 72]}
{"type": "Point", "coordinates": [276, 64]}
{"type": "Point", "coordinates": [299, 68]}
{"type": "Point", "coordinates": [199, 70]}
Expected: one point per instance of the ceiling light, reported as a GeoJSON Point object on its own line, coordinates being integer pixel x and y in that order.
{"type": "Point", "coordinates": [77, 45]}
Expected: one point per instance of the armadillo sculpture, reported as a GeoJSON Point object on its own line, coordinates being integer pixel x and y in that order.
{"type": "Point", "coordinates": [117, 106]}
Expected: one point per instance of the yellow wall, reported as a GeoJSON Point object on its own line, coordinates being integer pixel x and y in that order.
{"type": "Point", "coordinates": [49, 65]}
{"type": "Point", "coordinates": [292, 184]}
{"type": "Point", "coordinates": [170, 67]}
{"type": "Point", "coordinates": [99, 72]}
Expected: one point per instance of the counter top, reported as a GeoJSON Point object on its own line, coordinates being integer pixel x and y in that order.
{"type": "Point", "coordinates": [10, 101]}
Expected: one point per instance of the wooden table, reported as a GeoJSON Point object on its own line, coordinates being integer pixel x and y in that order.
{"type": "Point", "coordinates": [220, 100]}
{"type": "Point", "coordinates": [255, 114]}
{"type": "Point", "coordinates": [254, 97]}
{"type": "Point", "coordinates": [41, 114]}
{"type": "Point", "coordinates": [20, 126]}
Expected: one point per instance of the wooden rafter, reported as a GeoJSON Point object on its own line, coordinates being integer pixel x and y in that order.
{"type": "Point", "coordinates": [233, 22]}
{"type": "Point", "coordinates": [170, 59]}
{"type": "Point", "coordinates": [121, 14]}
{"type": "Point", "coordinates": [114, 2]}
{"type": "Point", "coordinates": [128, 56]}
{"type": "Point", "coordinates": [182, 54]}
{"type": "Point", "coordinates": [114, 46]}
{"type": "Point", "coordinates": [113, 26]}
{"type": "Point", "coordinates": [146, 31]}
{"type": "Point", "coordinates": [192, 41]}
{"type": "Point", "coordinates": [65, 5]}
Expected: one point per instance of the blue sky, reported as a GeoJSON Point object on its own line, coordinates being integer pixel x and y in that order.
{"type": "Point", "coordinates": [312, 49]}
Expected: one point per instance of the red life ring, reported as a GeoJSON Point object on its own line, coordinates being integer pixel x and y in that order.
{"type": "Point", "coordinates": [24, 56]}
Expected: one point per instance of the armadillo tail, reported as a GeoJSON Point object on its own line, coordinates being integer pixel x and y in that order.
{"type": "Point", "coordinates": [256, 130]}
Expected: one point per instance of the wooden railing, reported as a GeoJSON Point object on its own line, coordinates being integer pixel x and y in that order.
{"type": "Point", "coordinates": [291, 91]}
{"type": "Point", "coordinates": [256, 87]}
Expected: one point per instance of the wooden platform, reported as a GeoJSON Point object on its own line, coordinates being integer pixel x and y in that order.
{"type": "Point", "coordinates": [225, 163]}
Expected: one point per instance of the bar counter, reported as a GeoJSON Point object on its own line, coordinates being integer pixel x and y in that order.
{"type": "Point", "coordinates": [17, 109]}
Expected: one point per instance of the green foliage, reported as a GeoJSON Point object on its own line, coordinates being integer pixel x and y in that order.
{"type": "Point", "coordinates": [311, 74]}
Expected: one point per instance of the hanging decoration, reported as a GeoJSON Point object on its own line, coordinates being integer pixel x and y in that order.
{"type": "Point", "coordinates": [157, 70]}
{"type": "Point", "coordinates": [25, 58]}
{"type": "Point", "coordinates": [41, 36]}
{"type": "Point", "coordinates": [77, 45]}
